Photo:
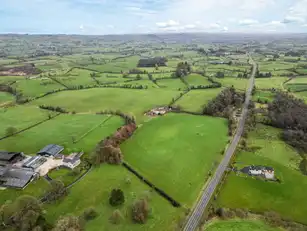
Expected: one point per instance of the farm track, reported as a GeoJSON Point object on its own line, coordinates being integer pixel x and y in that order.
{"type": "Point", "coordinates": [196, 215]}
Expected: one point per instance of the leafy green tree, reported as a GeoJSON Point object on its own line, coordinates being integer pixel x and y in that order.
{"type": "Point", "coordinates": [68, 223]}
{"type": "Point", "coordinates": [140, 211]}
{"type": "Point", "coordinates": [117, 197]}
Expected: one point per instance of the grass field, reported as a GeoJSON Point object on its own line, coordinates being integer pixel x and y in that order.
{"type": "Point", "coordinates": [195, 100]}
{"type": "Point", "coordinates": [77, 77]}
{"type": "Point", "coordinates": [178, 167]}
{"type": "Point", "coordinates": [261, 196]}
{"type": "Point", "coordinates": [62, 130]}
{"type": "Point", "coordinates": [10, 79]}
{"type": "Point", "coordinates": [21, 117]}
{"type": "Point", "coordinates": [297, 84]}
{"type": "Point", "coordinates": [175, 84]}
{"type": "Point", "coordinates": [196, 79]}
{"type": "Point", "coordinates": [238, 83]}
{"type": "Point", "coordinates": [6, 97]}
{"type": "Point", "coordinates": [263, 96]}
{"type": "Point", "coordinates": [134, 102]}
{"type": "Point", "coordinates": [101, 181]}
{"type": "Point", "coordinates": [239, 225]}
{"type": "Point", "coordinates": [36, 87]}
{"type": "Point", "coordinates": [268, 83]}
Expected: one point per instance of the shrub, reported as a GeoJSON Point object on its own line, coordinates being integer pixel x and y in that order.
{"type": "Point", "coordinates": [89, 214]}
{"type": "Point", "coordinates": [140, 211]}
{"type": "Point", "coordinates": [273, 219]}
{"type": "Point", "coordinates": [241, 213]}
{"type": "Point", "coordinates": [116, 217]}
{"type": "Point", "coordinates": [117, 197]}
{"type": "Point", "coordinates": [10, 131]}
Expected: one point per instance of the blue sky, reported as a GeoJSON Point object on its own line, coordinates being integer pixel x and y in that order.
{"type": "Point", "coordinates": [152, 16]}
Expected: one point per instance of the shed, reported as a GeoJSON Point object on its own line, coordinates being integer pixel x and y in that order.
{"type": "Point", "coordinates": [16, 178]}
{"type": "Point", "coordinates": [51, 150]}
{"type": "Point", "coordinates": [10, 157]}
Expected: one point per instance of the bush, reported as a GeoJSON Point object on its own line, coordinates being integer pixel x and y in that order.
{"type": "Point", "coordinates": [10, 131]}
{"type": "Point", "coordinates": [140, 211]}
{"type": "Point", "coordinates": [241, 213]}
{"type": "Point", "coordinates": [116, 217]}
{"type": "Point", "coordinates": [117, 197]}
{"type": "Point", "coordinates": [90, 214]}
{"type": "Point", "coordinates": [273, 219]}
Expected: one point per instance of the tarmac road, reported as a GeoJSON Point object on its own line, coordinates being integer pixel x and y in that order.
{"type": "Point", "coordinates": [195, 217]}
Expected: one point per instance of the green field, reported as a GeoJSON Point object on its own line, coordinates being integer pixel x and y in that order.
{"type": "Point", "coordinates": [239, 225]}
{"type": "Point", "coordinates": [159, 151]}
{"type": "Point", "coordinates": [261, 196]}
{"type": "Point", "coordinates": [269, 83]}
{"type": "Point", "coordinates": [77, 77]}
{"type": "Point", "coordinates": [195, 100]}
{"type": "Point", "coordinates": [6, 97]}
{"type": "Point", "coordinates": [238, 83]}
{"type": "Point", "coordinates": [263, 96]}
{"type": "Point", "coordinates": [21, 117]}
{"type": "Point", "coordinates": [101, 181]}
{"type": "Point", "coordinates": [175, 84]}
{"type": "Point", "coordinates": [134, 102]}
{"type": "Point", "coordinates": [196, 80]}
{"type": "Point", "coordinates": [10, 79]}
{"type": "Point", "coordinates": [62, 130]}
{"type": "Point", "coordinates": [297, 84]}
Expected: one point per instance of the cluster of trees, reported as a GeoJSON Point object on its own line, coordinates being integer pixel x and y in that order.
{"type": "Point", "coordinates": [56, 191]}
{"type": "Point", "coordinates": [137, 71]}
{"type": "Point", "coordinates": [128, 119]}
{"type": "Point", "coordinates": [289, 113]}
{"type": "Point", "coordinates": [7, 88]}
{"type": "Point", "coordinates": [183, 69]}
{"type": "Point", "coordinates": [108, 151]}
{"type": "Point", "coordinates": [51, 108]}
{"type": "Point", "coordinates": [224, 103]}
{"type": "Point", "coordinates": [152, 62]}
{"type": "Point", "coordinates": [150, 77]}
{"type": "Point", "coordinates": [295, 53]}
{"type": "Point", "coordinates": [263, 74]}
{"type": "Point", "coordinates": [129, 86]}
{"type": "Point", "coordinates": [214, 85]}
{"type": "Point", "coordinates": [244, 75]}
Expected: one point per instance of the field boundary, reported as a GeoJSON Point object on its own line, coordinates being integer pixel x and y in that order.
{"type": "Point", "coordinates": [158, 190]}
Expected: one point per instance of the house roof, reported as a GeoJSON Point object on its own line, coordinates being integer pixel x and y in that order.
{"type": "Point", "coordinates": [16, 178]}
{"type": "Point", "coordinates": [51, 150]}
{"type": "Point", "coordinates": [7, 156]}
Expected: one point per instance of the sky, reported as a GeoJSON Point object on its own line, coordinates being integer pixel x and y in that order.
{"type": "Point", "coordinates": [151, 16]}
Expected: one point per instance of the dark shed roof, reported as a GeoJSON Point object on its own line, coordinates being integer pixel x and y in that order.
{"type": "Point", "coordinates": [16, 178]}
{"type": "Point", "coordinates": [51, 150]}
{"type": "Point", "coordinates": [7, 156]}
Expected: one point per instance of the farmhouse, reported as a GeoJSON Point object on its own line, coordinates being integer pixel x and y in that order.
{"type": "Point", "coordinates": [152, 62]}
{"type": "Point", "coordinates": [73, 160]}
{"type": "Point", "coordinates": [158, 111]}
{"type": "Point", "coordinates": [51, 150]}
{"type": "Point", "coordinates": [265, 172]}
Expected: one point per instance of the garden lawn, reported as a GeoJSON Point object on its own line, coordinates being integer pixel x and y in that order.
{"type": "Point", "coordinates": [195, 100]}
{"type": "Point", "coordinates": [62, 130]}
{"type": "Point", "coordinates": [100, 181]}
{"type": "Point", "coordinates": [5, 97]}
{"type": "Point", "coordinates": [130, 101]}
{"type": "Point", "coordinates": [239, 225]}
{"type": "Point", "coordinates": [259, 195]}
{"type": "Point", "coordinates": [268, 83]}
{"type": "Point", "coordinates": [36, 188]}
{"type": "Point", "coordinates": [175, 152]}
{"type": "Point", "coordinates": [21, 117]}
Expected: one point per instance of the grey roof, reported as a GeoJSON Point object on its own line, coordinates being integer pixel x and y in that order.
{"type": "Point", "coordinates": [16, 178]}
{"type": "Point", "coordinates": [258, 167]}
{"type": "Point", "coordinates": [34, 162]}
{"type": "Point", "coordinates": [51, 150]}
{"type": "Point", "coordinates": [7, 156]}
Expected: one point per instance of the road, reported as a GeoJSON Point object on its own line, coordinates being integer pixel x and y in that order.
{"type": "Point", "coordinates": [195, 217]}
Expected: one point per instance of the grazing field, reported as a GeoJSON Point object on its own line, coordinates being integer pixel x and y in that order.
{"type": "Point", "coordinates": [269, 83]}
{"type": "Point", "coordinates": [63, 130]}
{"type": "Point", "coordinates": [10, 79]}
{"type": "Point", "coordinates": [175, 84]}
{"type": "Point", "coordinates": [195, 100]}
{"type": "Point", "coordinates": [160, 152]}
{"type": "Point", "coordinates": [77, 77]}
{"type": "Point", "coordinates": [196, 79]}
{"type": "Point", "coordinates": [237, 83]}
{"type": "Point", "coordinates": [36, 87]}
{"type": "Point", "coordinates": [21, 117]}
{"type": "Point", "coordinates": [259, 195]}
{"type": "Point", "coordinates": [264, 96]}
{"type": "Point", "coordinates": [297, 84]}
{"type": "Point", "coordinates": [6, 97]}
{"type": "Point", "coordinates": [101, 181]}
{"type": "Point", "coordinates": [239, 225]}
{"type": "Point", "coordinates": [134, 102]}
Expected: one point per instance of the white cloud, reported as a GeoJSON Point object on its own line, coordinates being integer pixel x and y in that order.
{"type": "Point", "coordinates": [305, 25]}
{"type": "Point", "coordinates": [293, 19]}
{"type": "Point", "coordinates": [297, 13]}
{"type": "Point", "coordinates": [110, 26]}
{"type": "Point", "coordinates": [170, 23]}
{"type": "Point", "coordinates": [81, 27]}
{"type": "Point", "coordinates": [248, 22]}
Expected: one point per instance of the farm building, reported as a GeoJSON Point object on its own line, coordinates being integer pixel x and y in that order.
{"type": "Point", "coordinates": [51, 150]}
{"type": "Point", "coordinates": [152, 62]}
{"type": "Point", "coordinates": [16, 177]}
{"type": "Point", "coordinates": [10, 157]}
{"type": "Point", "coordinates": [158, 111]}
{"type": "Point", "coordinates": [34, 162]}
{"type": "Point", "coordinates": [73, 160]}
{"type": "Point", "coordinates": [265, 172]}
